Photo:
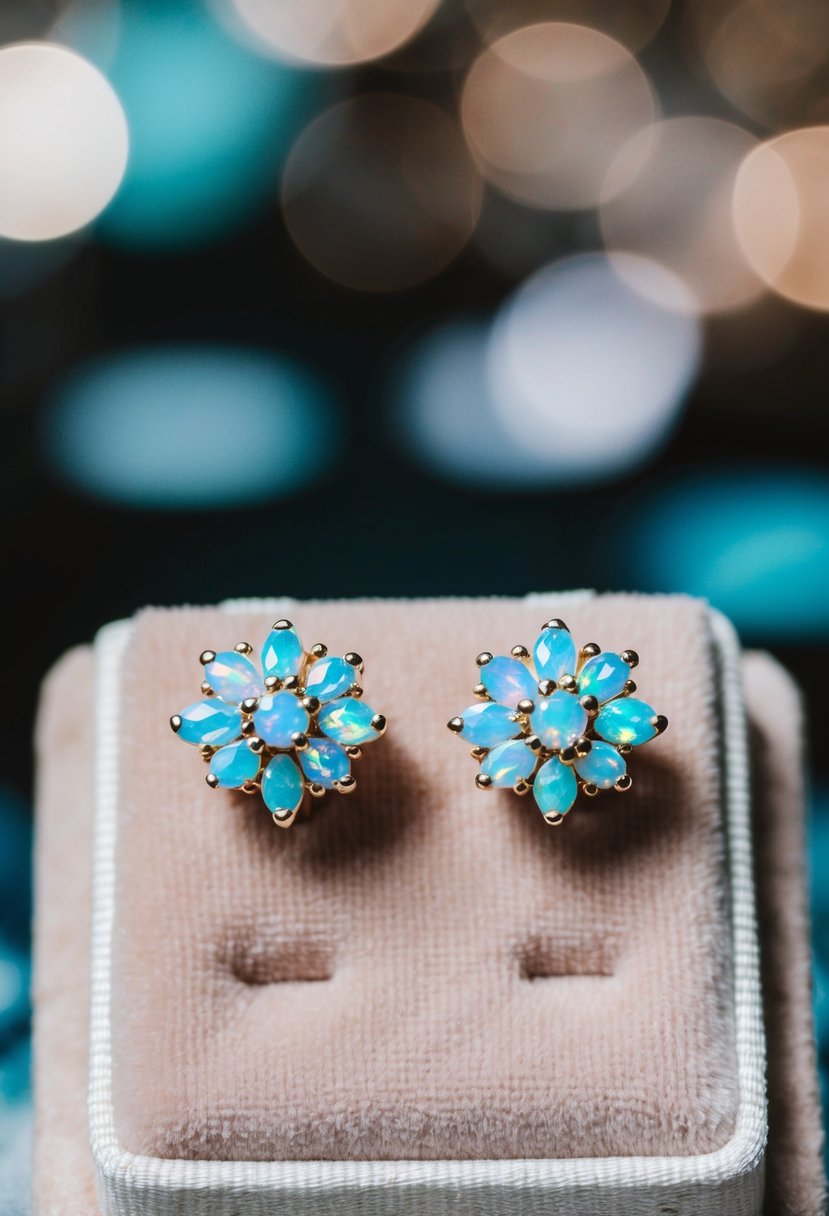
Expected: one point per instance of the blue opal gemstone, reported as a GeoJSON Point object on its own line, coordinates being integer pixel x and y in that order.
{"type": "Point", "coordinates": [234, 765]}
{"type": "Point", "coordinates": [558, 720]}
{"type": "Point", "coordinates": [324, 762]}
{"type": "Point", "coordinates": [211, 721]}
{"type": "Point", "coordinates": [233, 677]}
{"type": "Point", "coordinates": [626, 721]}
{"type": "Point", "coordinates": [282, 653]}
{"type": "Point", "coordinates": [487, 724]}
{"type": "Point", "coordinates": [555, 787]}
{"type": "Point", "coordinates": [508, 681]}
{"type": "Point", "coordinates": [604, 676]}
{"type": "Point", "coordinates": [329, 678]}
{"type": "Point", "coordinates": [348, 721]}
{"type": "Point", "coordinates": [278, 718]}
{"type": "Point", "coordinates": [602, 766]}
{"type": "Point", "coordinates": [508, 763]}
{"type": "Point", "coordinates": [282, 786]}
{"type": "Point", "coordinates": [554, 654]}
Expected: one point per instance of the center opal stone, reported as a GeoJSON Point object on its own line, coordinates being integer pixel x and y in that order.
{"type": "Point", "coordinates": [279, 718]}
{"type": "Point", "coordinates": [558, 720]}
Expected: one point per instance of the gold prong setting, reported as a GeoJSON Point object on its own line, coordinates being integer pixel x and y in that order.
{"type": "Point", "coordinates": [556, 720]}
{"type": "Point", "coordinates": [288, 729]}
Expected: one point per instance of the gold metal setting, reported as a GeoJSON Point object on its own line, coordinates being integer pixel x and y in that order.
{"type": "Point", "coordinates": [301, 741]}
{"type": "Point", "coordinates": [580, 747]}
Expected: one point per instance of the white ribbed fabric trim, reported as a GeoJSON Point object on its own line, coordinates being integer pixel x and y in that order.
{"type": "Point", "coordinates": [728, 1182]}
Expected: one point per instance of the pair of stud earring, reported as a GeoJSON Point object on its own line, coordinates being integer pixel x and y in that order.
{"type": "Point", "coordinates": [553, 721]}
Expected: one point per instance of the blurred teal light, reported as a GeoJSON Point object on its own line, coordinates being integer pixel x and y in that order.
{"type": "Point", "coordinates": [191, 427]}
{"type": "Point", "coordinates": [209, 121]}
{"type": "Point", "coordinates": [445, 419]}
{"type": "Point", "coordinates": [753, 541]}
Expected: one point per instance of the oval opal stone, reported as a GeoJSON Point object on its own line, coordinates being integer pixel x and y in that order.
{"type": "Point", "coordinates": [324, 762]}
{"type": "Point", "coordinates": [626, 721]}
{"type": "Point", "coordinates": [329, 678]}
{"type": "Point", "coordinates": [554, 654]}
{"type": "Point", "coordinates": [558, 720]}
{"type": "Point", "coordinates": [234, 765]}
{"type": "Point", "coordinates": [282, 653]}
{"type": "Point", "coordinates": [508, 763]}
{"type": "Point", "coordinates": [282, 785]}
{"type": "Point", "coordinates": [211, 721]}
{"type": "Point", "coordinates": [602, 767]}
{"type": "Point", "coordinates": [555, 787]}
{"type": "Point", "coordinates": [347, 721]}
{"type": "Point", "coordinates": [278, 717]}
{"type": "Point", "coordinates": [233, 677]}
{"type": "Point", "coordinates": [487, 724]}
{"type": "Point", "coordinates": [508, 681]}
{"type": "Point", "coordinates": [604, 676]}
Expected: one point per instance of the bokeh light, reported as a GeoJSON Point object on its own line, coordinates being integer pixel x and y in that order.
{"type": "Point", "coordinates": [633, 23]}
{"type": "Point", "coordinates": [755, 542]}
{"type": "Point", "coordinates": [179, 428]}
{"type": "Point", "coordinates": [781, 204]}
{"type": "Point", "coordinates": [546, 108]}
{"type": "Point", "coordinates": [91, 27]}
{"type": "Point", "coordinates": [380, 193]}
{"type": "Point", "coordinates": [333, 33]}
{"type": "Point", "coordinates": [445, 420]}
{"type": "Point", "coordinates": [63, 142]}
{"type": "Point", "coordinates": [669, 197]}
{"type": "Point", "coordinates": [16, 1127]}
{"type": "Point", "coordinates": [209, 124]}
{"type": "Point", "coordinates": [589, 373]}
{"type": "Point", "coordinates": [15, 981]}
{"type": "Point", "coordinates": [768, 59]}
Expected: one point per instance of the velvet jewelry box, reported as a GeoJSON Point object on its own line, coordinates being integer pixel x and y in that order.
{"type": "Point", "coordinates": [423, 999]}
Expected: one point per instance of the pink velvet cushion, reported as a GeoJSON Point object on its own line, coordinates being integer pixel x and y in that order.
{"type": "Point", "coordinates": [423, 970]}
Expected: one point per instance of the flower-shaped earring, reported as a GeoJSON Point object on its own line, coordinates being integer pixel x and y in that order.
{"type": "Point", "coordinates": [292, 728]}
{"type": "Point", "coordinates": [569, 723]}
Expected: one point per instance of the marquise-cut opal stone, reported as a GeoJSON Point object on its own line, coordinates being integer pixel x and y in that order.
{"type": "Point", "coordinates": [554, 654]}
{"type": "Point", "coordinates": [234, 765]}
{"type": "Point", "coordinates": [626, 721]}
{"type": "Point", "coordinates": [487, 724]}
{"type": "Point", "coordinates": [329, 678]}
{"type": "Point", "coordinates": [282, 785]}
{"type": "Point", "coordinates": [558, 720]}
{"type": "Point", "coordinates": [210, 721]}
{"type": "Point", "coordinates": [508, 681]}
{"type": "Point", "coordinates": [282, 653]}
{"type": "Point", "coordinates": [324, 762]}
{"type": "Point", "coordinates": [508, 763]}
{"type": "Point", "coordinates": [602, 766]}
{"type": "Point", "coordinates": [604, 676]}
{"type": "Point", "coordinates": [278, 718]}
{"type": "Point", "coordinates": [347, 721]}
{"type": "Point", "coordinates": [555, 787]}
{"type": "Point", "coordinates": [233, 677]}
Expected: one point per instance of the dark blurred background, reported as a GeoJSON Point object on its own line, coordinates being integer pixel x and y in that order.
{"type": "Point", "coordinates": [415, 298]}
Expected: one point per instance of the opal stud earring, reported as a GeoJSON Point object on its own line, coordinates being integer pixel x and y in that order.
{"type": "Point", "coordinates": [556, 721]}
{"type": "Point", "coordinates": [291, 729]}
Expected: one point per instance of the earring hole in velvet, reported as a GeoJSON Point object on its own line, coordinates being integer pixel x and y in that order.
{"type": "Point", "coordinates": [545, 957]}
{"type": "Point", "coordinates": [258, 963]}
